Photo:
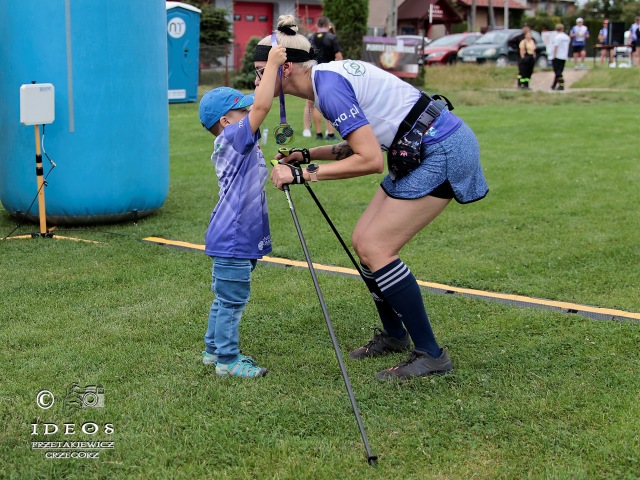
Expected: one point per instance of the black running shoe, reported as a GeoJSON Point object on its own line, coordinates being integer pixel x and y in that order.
{"type": "Point", "coordinates": [419, 364]}
{"type": "Point", "coordinates": [381, 344]}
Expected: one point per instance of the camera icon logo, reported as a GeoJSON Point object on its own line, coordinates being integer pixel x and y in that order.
{"type": "Point", "coordinates": [77, 397]}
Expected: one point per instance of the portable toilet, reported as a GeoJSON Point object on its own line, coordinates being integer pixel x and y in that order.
{"type": "Point", "coordinates": [183, 43]}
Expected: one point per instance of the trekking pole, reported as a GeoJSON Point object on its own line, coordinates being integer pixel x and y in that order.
{"type": "Point", "coordinates": [354, 405]}
{"type": "Point", "coordinates": [335, 231]}
{"type": "Point", "coordinates": [286, 152]}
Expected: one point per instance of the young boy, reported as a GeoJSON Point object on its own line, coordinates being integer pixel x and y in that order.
{"type": "Point", "coordinates": [238, 233]}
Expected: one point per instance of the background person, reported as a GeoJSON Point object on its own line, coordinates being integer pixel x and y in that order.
{"type": "Point", "coordinates": [238, 233]}
{"type": "Point", "coordinates": [579, 33]}
{"type": "Point", "coordinates": [515, 41]}
{"type": "Point", "coordinates": [327, 49]}
{"type": "Point", "coordinates": [603, 36]}
{"type": "Point", "coordinates": [514, 44]}
{"type": "Point", "coordinates": [370, 107]}
{"type": "Point", "coordinates": [634, 41]}
{"type": "Point", "coordinates": [560, 52]}
{"type": "Point", "coordinates": [527, 61]}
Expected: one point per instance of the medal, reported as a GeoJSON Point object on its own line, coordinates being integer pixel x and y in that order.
{"type": "Point", "coordinates": [283, 132]}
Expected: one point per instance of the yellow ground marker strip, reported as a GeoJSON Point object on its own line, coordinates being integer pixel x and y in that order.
{"type": "Point", "coordinates": [566, 307]}
{"type": "Point", "coordinates": [266, 259]}
{"type": "Point", "coordinates": [55, 237]}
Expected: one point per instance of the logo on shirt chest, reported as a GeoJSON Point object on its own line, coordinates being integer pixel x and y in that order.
{"type": "Point", "coordinates": [354, 68]}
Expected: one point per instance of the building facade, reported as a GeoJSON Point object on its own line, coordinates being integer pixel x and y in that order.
{"type": "Point", "coordinates": [386, 17]}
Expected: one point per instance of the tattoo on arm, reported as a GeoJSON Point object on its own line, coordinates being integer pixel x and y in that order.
{"type": "Point", "coordinates": [341, 150]}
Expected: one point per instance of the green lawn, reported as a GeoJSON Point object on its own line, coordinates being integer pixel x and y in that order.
{"type": "Point", "coordinates": [534, 394]}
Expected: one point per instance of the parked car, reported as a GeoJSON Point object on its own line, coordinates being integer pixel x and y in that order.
{"type": "Point", "coordinates": [444, 50]}
{"type": "Point", "coordinates": [419, 41]}
{"type": "Point", "coordinates": [498, 46]}
{"type": "Point", "coordinates": [419, 38]}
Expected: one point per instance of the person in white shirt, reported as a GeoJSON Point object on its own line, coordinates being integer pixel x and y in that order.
{"type": "Point", "coordinates": [579, 33]}
{"type": "Point", "coordinates": [560, 53]}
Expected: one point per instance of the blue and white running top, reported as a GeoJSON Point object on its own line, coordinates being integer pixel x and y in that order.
{"type": "Point", "coordinates": [352, 93]}
{"type": "Point", "coordinates": [239, 225]}
{"type": "Point", "coordinates": [580, 32]}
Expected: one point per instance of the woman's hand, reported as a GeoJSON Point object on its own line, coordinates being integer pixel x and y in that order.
{"type": "Point", "coordinates": [281, 175]}
{"type": "Point", "coordinates": [295, 155]}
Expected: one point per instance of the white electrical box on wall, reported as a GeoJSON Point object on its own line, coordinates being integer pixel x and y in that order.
{"type": "Point", "coordinates": [37, 103]}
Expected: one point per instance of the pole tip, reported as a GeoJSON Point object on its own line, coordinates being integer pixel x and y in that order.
{"type": "Point", "coordinates": [372, 460]}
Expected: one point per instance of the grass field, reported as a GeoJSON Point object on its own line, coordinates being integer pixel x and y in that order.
{"type": "Point", "coordinates": [534, 394]}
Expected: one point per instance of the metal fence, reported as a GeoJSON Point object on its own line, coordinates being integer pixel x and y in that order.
{"type": "Point", "coordinates": [216, 58]}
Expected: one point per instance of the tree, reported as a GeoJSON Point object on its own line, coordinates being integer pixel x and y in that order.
{"type": "Point", "coordinates": [215, 28]}
{"type": "Point", "coordinates": [246, 77]}
{"type": "Point", "coordinates": [614, 11]}
{"type": "Point", "coordinates": [349, 17]}
{"type": "Point", "coordinates": [543, 21]}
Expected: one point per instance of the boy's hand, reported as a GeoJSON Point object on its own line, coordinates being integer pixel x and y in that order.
{"type": "Point", "coordinates": [277, 55]}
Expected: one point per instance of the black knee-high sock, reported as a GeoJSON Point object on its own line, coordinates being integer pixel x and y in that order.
{"type": "Point", "coordinates": [401, 290]}
{"type": "Point", "coordinates": [390, 321]}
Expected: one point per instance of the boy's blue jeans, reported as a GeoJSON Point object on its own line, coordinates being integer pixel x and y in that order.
{"type": "Point", "coordinates": [231, 282]}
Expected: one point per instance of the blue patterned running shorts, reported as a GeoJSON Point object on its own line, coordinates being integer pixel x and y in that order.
{"type": "Point", "coordinates": [456, 160]}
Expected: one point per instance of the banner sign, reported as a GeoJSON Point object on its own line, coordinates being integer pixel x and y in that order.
{"type": "Point", "coordinates": [397, 56]}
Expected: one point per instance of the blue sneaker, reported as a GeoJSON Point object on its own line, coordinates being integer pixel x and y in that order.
{"type": "Point", "coordinates": [245, 367]}
{"type": "Point", "coordinates": [209, 359]}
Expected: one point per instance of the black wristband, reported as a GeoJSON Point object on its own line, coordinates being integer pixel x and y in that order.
{"type": "Point", "coordinates": [306, 155]}
{"type": "Point", "coordinates": [298, 179]}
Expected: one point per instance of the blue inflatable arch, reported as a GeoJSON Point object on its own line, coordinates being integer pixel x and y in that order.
{"type": "Point", "coordinates": [107, 61]}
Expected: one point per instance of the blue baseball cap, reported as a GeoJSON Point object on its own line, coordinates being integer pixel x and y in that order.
{"type": "Point", "coordinates": [217, 102]}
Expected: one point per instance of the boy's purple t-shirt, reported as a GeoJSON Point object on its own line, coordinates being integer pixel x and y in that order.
{"type": "Point", "coordinates": [239, 224]}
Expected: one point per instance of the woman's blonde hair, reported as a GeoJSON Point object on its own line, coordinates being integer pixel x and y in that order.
{"type": "Point", "coordinates": [297, 41]}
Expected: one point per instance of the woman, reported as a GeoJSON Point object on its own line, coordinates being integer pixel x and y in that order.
{"type": "Point", "coordinates": [527, 59]}
{"type": "Point", "coordinates": [368, 108]}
